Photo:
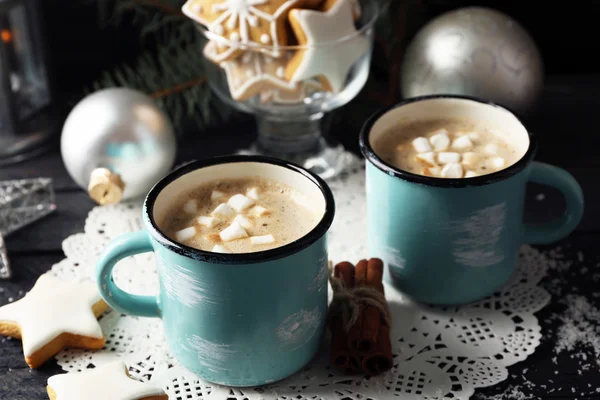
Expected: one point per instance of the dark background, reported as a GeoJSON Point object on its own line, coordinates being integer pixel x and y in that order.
{"type": "Point", "coordinates": [566, 32]}
{"type": "Point", "coordinates": [565, 121]}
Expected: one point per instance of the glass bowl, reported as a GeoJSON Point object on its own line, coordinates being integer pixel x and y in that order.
{"type": "Point", "coordinates": [288, 95]}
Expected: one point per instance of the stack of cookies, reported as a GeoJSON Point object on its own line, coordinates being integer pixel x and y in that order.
{"type": "Point", "coordinates": [248, 39]}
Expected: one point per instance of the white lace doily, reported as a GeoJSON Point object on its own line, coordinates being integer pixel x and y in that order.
{"type": "Point", "coordinates": [438, 353]}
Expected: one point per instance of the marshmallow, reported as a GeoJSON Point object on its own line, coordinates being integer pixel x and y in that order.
{"type": "Point", "coordinates": [421, 145]}
{"type": "Point", "coordinates": [470, 158]}
{"type": "Point", "coordinates": [239, 202]}
{"type": "Point", "coordinates": [224, 210]}
{"type": "Point", "coordinates": [216, 195]}
{"type": "Point", "coordinates": [207, 221]}
{"type": "Point", "coordinates": [243, 221]}
{"type": "Point", "coordinates": [428, 158]}
{"type": "Point", "coordinates": [491, 149]}
{"type": "Point", "coordinates": [447, 158]}
{"type": "Point", "coordinates": [470, 174]}
{"type": "Point", "coordinates": [258, 211]}
{"type": "Point", "coordinates": [220, 249]}
{"type": "Point", "coordinates": [252, 193]}
{"type": "Point", "coordinates": [433, 171]}
{"type": "Point", "coordinates": [462, 143]}
{"type": "Point", "coordinates": [496, 163]}
{"type": "Point", "coordinates": [233, 232]}
{"type": "Point", "coordinates": [185, 234]}
{"type": "Point", "coordinates": [474, 136]}
{"type": "Point", "coordinates": [440, 141]}
{"type": "Point", "coordinates": [266, 239]}
{"type": "Point", "coordinates": [452, 170]}
{"type": "Point", "coordinates": [191, 207]}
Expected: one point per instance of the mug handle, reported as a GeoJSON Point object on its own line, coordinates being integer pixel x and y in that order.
{"type": "Point", "coordinates": [548, 232]}
{"type": "Point", "coordinates": [124, 246]}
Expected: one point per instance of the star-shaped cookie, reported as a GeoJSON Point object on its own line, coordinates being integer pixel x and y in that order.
{"type": "Point", "coordinates": [253, 73]}
{"type": "Point", "coordinates": [331, 62]}
{"type": "Point", "coordinates": [243, 22]}
{"type": "Point", "coordinates": [53, 315]}
{"type": "Point", "coordinates": [110, 381]}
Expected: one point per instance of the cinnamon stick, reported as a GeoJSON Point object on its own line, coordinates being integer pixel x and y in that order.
{"type": "Point", "coordinates": [367, 346]}
{"type": "Point", "coordinates": [381, 359]}
{"type": "Point", "coordinates": [341, 356]}
{"type": "Point", "coordinates": [363, 335]}
{"type": "Point", "coordinates": [375, 334]}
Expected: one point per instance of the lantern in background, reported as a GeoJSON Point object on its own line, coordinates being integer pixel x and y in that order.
{"type": "Point", "coordinates": [26, 119]}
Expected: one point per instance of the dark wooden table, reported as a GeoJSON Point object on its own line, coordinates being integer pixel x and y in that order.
{"type": "Point", "coordinates": [567, 122]}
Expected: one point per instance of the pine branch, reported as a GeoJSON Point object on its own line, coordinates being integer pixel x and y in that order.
{"type": "Point", "coordinates": [175, 78]}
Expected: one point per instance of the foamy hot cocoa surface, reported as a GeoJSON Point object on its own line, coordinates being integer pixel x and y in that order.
{"type": "Point", "coordinates": [239, 216]}
{"type": "Point", "coordinates": [446, 148]}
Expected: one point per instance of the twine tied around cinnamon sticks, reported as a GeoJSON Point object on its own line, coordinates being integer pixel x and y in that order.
{"type": "Point", "coordinates": [348, 303]}
{"type": "Point", "coordinates": [359, 318]}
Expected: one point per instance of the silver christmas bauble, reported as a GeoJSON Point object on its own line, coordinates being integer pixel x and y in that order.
{"type": "Point", "coordinates": [116, 143]}
{"type": "Point", "coordinates": [478, 52]}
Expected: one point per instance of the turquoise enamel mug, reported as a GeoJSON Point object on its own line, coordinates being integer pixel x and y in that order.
{"type": "Point", "coordinates": [454, 241]}
{"type": "Point", "coordinates": [233, 319]}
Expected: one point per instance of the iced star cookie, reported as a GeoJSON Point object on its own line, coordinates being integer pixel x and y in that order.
{"type": "Point", "coordinates": [254, 72]}
{"type": "Point", "coordinates": [261, 22]}
{"type": "Point", "coordinates": [110, 381]}
{"type": "Point", "coordinates": [53, 315]}
{"type": "Point", "coordinates": [331, 63]}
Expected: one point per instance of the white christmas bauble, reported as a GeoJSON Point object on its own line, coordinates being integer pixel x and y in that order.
{"type": "Point", "coordinates": [115, 135]}
{"type": "Point", "coordinates": [478, 52]}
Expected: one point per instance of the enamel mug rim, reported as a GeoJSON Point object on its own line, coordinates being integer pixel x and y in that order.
{"type": "Point", "coordinates": [369, 153]}
{"type": "Point", "coordinates": [239, 258]}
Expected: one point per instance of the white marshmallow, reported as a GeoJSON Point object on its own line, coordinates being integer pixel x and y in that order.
{"type": "Point", "coordinates": [207, 221]}
{"type": "Point", "coordinates": [220, 249]}
{"type": "Point", "coordinates": [258, 211]}
{"type": "Point", "coordinates": [452, 170]}
{"type": "Point", "coordinates": [185, 234]}
{"type": "Point", "coordinates": [491, 149]}
{"type": "Point", "coordinates": [462, 143]}
{"type": "Point", "coordinates": [421, 145]}
{"type": "Point", "coordinates": [252, 193]}
{"type": "Point", "coordinates": [191, 207]}
{"type": "Point", "coordinates": [496, 163]}
{"type": "Point", "coordinates": [266, 239]}
{"type": "Point", "coordinates": [224, 210]}
{"type": "Point", "coordinates": [447, 158]}
{"type": "Point", "coordinates": [470, 174]}
{"type": "Point", "coordinates": [474, 136]}
{"type": "Point", "coordinates": [470, 158]}
{"type": "Point", "coordinates": [243, 221]}
{"type": "Point", "coordinates": [440, 141]}
{"type": "Point", "coordinates": [433, 171]}
{"type": "Point", "coordinates": [216, 195]}
{"type": "Point", "coordinates": [233, 232]}
{"type": "Point", "coordinates": [428, 158]}
{"type": "Point", "coordinates": [239, 202]}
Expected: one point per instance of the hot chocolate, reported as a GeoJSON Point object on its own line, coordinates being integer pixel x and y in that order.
{"type": "Point", "coordinates": [239, 216]}
{"type": "Point", "coordinates": [446, 148]}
